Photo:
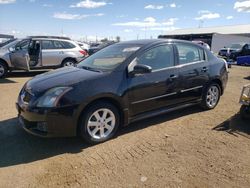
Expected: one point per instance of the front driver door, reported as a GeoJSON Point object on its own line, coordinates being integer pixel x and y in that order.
{"type": "Point", "coordinates": [20, 56]}
{"type": "Point", "coordinates": [157, 89]}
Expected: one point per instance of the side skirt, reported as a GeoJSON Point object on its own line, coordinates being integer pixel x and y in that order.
{"type": "Point", "coordinates": [161, 111]}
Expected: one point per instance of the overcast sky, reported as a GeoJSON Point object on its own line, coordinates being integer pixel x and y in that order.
{"type": "Point", "coordinates": [129, 19]}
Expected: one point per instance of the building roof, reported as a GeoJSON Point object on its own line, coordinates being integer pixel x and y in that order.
{"type": "Point", "coordinates": [6, 36]}
{"type": "Point", "coordinates": [234, 29]}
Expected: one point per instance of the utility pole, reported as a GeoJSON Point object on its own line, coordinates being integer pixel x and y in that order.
{"type": "Point", "coordinates": [62, 32]}
{"type": "Point", "coordinates": [201, 22]}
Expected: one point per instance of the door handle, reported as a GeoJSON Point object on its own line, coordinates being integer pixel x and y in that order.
{"type": "Point", "coordinates": [204, 69]}
{"type": "Point", "coordinates": [173, 76]}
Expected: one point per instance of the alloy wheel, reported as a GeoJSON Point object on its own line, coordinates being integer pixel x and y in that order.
{"type": "Point", "coordinates": [101, 123]}
{"type": "Point", "coordinates": [69, 64]}
{"type": "Point", "coordinates": [212, 96]}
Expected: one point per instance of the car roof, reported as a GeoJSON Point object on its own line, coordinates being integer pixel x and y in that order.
{"type": "Point", "coordinates": [50, 37]}
{"type": "Point", "coordinates": [154, 41]}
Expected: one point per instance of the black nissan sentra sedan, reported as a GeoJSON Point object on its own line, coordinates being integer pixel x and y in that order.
{"type": "Point", "coordinates": [120, 84]}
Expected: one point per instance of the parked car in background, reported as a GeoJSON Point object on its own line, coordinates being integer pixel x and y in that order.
{"type": "Point", "coordinates": [243, 60]}
{"type": "Point", "coordinates": [205, 45]}
{"type": "Point", "coordinates": [83, 45]}
{"type": "Point", "coordinates": [234, 51]}
{"type": "Point", "coordinates": [244, 51]}
{"type": "Point", "coordinates": [5, 42]}
{"type": "Point", "coordinates": [95, 49]}
{"type": "Point", "coordinates": [245, 102]}
{"type": "Point", "coordinates": [120, 84]}
{"type": "Point", "coordinates": [40, 52]}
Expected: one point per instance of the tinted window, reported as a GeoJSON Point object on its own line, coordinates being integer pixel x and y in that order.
{"type": "Point", "coordinates": [158, 58]}
{"type": "Point", "coordinates": [189, 53]}
{"type": "Point", "coordinates": [67, 45]}
{"type": "Point", "coordinates": [47, 44]}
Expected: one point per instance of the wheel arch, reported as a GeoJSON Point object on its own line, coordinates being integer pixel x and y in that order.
{"type": "Point", "coordinates": [5, 63]}
{"type": "Point", "coordinates": [108, 99]}
{"type": "Point", "coordinates": [68, 58]}
{"type": "Point", "coordinates": [219, 82]}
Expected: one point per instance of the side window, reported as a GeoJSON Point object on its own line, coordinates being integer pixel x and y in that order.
{"type": "Point", "coordinates": [202, 55]}
{"type": "Point", "coordinates": [47, 44]}
{"type": "Point", "coordinates": [58, 45]}
{"type": "Point", "coordinates": [189, 53]}
{"type": "Point", "coordinates": [67, 45]}
{"type": "Point", "coordinates": [22, 45]}
{"type": "Point", "coordinates": [158, 58]}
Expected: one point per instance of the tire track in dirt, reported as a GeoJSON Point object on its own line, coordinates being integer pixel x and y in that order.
{"type": "Point", "coordinates": [104, 161]}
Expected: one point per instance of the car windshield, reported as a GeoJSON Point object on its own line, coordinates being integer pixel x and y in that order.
{"type": "Point", "coordinates": [11, 44]}
{"type": "Point", "coordinates": [236, 46]}
{"type": "Point", "coordinates": [7, 42]}
{"type": "Point", "coordinates": [109, 58]}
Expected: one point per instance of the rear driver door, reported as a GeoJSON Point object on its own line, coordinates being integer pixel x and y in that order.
{"type": "Point", "coordinates": [194, 71]}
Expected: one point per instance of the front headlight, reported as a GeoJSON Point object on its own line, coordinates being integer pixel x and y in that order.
{"type": "Point", "coordinates": [52, 96]}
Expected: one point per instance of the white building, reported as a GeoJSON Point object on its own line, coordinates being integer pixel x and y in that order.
{"type": "Point", "coordinates": [216, 37]}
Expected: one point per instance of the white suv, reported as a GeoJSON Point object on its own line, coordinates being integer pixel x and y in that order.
{"type": "Point", "coordinates": [40, 52]}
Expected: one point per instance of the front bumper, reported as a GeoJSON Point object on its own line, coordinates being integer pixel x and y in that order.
{"type": "Point", "coordinates": [59, 122]}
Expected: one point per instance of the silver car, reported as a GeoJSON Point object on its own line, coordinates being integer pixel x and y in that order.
{"type": "Point", "coordinates": [39, 53]}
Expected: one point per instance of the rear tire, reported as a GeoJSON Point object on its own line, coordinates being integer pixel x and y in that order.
{"type": "Point", "coordinates": [68, 63]}
{"type": "Point", "coordinates": [99, 122]}
{"type": "Point", "coordinates": [3, 70]}
{"type": "Point", "coordinates": [211, 96]}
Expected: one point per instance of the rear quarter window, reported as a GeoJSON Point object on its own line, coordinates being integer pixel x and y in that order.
{"type": "Point", "coordinates": [190, 53]}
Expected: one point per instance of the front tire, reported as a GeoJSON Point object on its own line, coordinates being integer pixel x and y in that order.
{"type": "Point", "coordinates": [99, 123]}
{"type": "Point", "coordinates": [211, 96]}
{"type": "Point", "coordinates": [3, 70]}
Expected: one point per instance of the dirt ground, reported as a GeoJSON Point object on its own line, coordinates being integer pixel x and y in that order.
{"type": "Point", "coordinates": [187, 148]}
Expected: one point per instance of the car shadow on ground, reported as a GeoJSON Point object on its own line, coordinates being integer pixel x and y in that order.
{"type": "Point", "coordinates": [24, 74]}
{"type": "Point", "coordinates": [6, 81]}
{"type": "Point", "coordinates": [19, 147]}
{"type": "Point", "coordinates": [235, 126]}
{"type": "Point", "coordinates": [247, 78]}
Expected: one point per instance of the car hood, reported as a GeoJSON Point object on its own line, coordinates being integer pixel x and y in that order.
{"type": "Point", "coordinates": [67, 76]}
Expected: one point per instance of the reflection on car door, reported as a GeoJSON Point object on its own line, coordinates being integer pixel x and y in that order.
{"type": "Point", "coordinates": [20, 56]}
{"type": "Point", "coordinates": [158, 88]}
{"type": "Point", "coordinates": [50, 55]}
{"type": "Point", "coordinates": [194, 71]}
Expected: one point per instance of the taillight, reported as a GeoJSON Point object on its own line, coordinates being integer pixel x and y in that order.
{"type": "Point", "coordinates": [83, 52]}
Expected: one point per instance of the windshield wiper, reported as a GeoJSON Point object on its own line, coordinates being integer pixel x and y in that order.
{"type": "Point", "coordinates": [90, 69]}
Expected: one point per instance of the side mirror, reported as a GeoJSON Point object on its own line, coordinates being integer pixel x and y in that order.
{"type": "Point", "coordinates": [141, 69]}
{"type": "Point", "coordinates": [11, 49]}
